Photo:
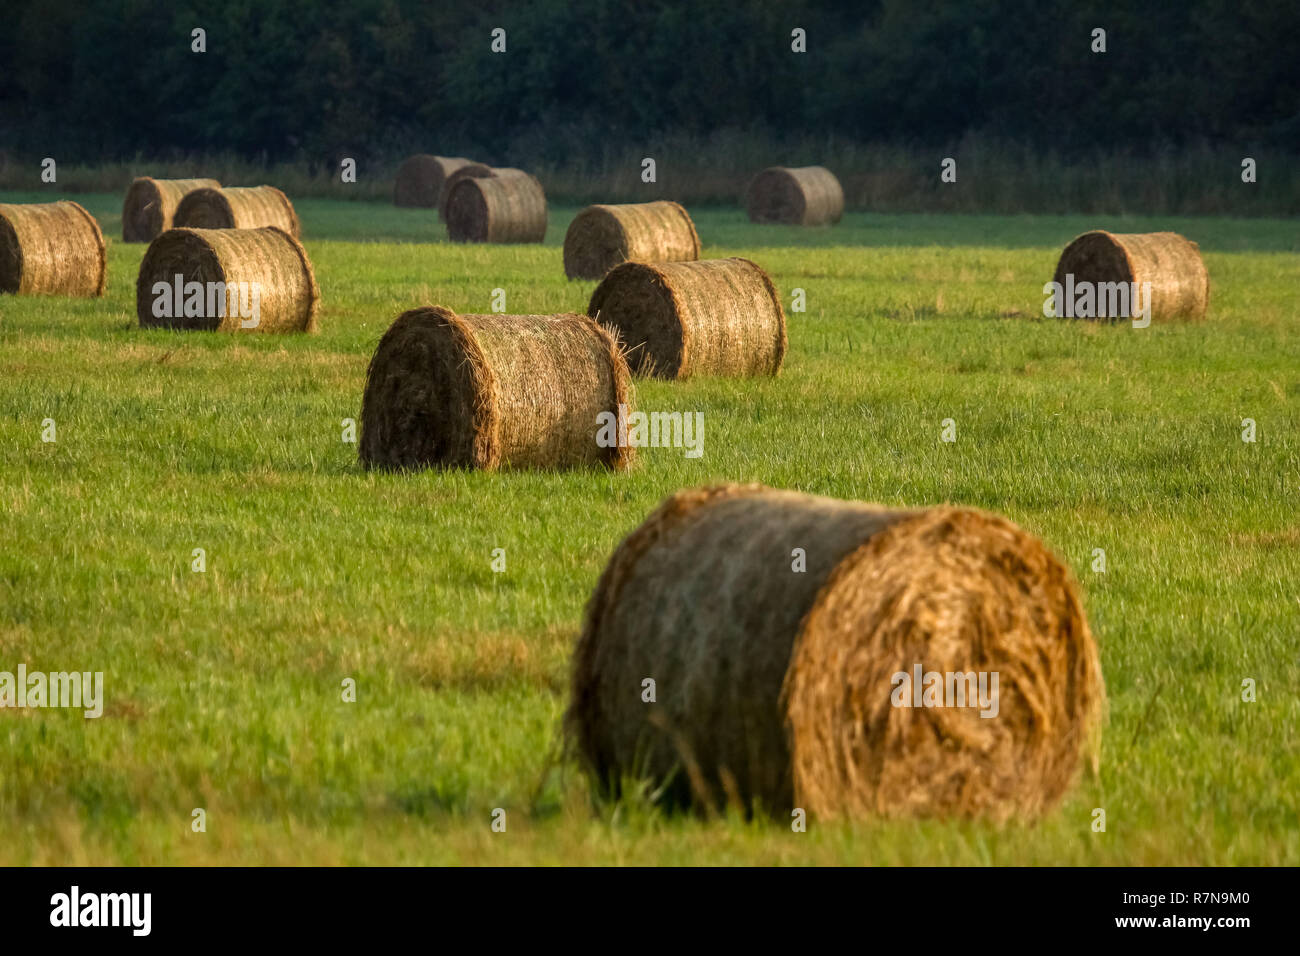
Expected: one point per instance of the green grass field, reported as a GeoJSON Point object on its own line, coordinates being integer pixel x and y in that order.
{"type": "Point", "coordinates": [223, 689]}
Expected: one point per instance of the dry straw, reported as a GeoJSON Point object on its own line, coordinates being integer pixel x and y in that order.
{"type": "Point", "coordinates": [491, 391]}
{"type": "Point", "coordinates": [602, 237]}
{"type": "Point", "coordinates": [238, 207]}
{"type": "Point", "coordinates": [150, 205]}
{"type": "Point", "coordinates": [775, 688]}
{"type": "Point", "coordinates": [1180, 284]}
{"type": "Point", "coordinates": [420, 179]}
{"type": "Point", "coordinates": [509, 206]}
{"type": "Point", "coordinates": [678, 319]}
{"type": "Point", "coordinates": [268, 259]}
{"type": "Point", "coordinates": [799, 196]}
{"type": "Point", "coordinates": [468, 171]}
{"type": "Point", "coordinates": [54, 248]}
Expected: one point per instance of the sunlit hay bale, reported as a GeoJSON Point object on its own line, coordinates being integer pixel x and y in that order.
{"type": "Point", "coordinates": [800, 196]}
{"type": "Point", "coordinates": [420, 179]}
{"type": "Point", "coordinates": [150, 205]}
{"type": "Point", "coordinates": [602, 237]}
{"type": "Point", "coordinates": [267, 260]}
{"type": "Point", "coordinates": [1180, 283]}
{"type": "Point", "coordinates": [679, 319]}
{"type": "Point", "coordinates": [54, 248]}
{"type": "Point", "coordinates": [468, 171]}
{"type": "Point", "coordinates": [774, 626]}
{"type": "Point", "coordinates": [509, 206]}
{"type": "Point", "coordinates": [237, 207]}
{"type": "Point", "coordinates": [492, 391]}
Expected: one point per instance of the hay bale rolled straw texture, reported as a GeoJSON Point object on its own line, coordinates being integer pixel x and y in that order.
{"type": "Point", "coordinates": [420, 179]}
{"type": "Point", "coordinates": [797, 196]}
{"type": "Point", "coordinates": [266, 259]}
{"type": "Point", "coordinates": [1180, 283]}
{"type": "Point", "coordinates": [468, 171]}
{"type": "Point", "coordinates": [775, 689]}
{"type": "Point", "coordinates": [237, 207]}
{"type": "Point", "coordinates": [678, 319]}
{"type": "Point", "coordinates": [54, 248]}
{"type": "Point", "coordinates": [490, 391]}
{"type": "Point", "coordinates": [509, 206]}
{"type": "Point", "coordinates": [602, 237]}
{"type": "Point", "coordinates": [150, 205]}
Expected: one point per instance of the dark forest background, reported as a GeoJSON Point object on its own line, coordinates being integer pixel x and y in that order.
{"type": "Point", "coordinates": [588, 87]}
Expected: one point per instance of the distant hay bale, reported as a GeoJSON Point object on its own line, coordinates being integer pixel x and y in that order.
{"type": "Point", "coordinates": [602, 237]}
{"type": "Point", "coordinates": [1180, 283]}
{"type": "Point", "coordinates": [268, 260]}
{"type": "Point", "coordinates": [678, 319]}
{"type": "Point", "coordinates": [778, 689]}
{"type": "Point", "coordinates": [799, 196]}
{"type": "Point", "coordinates": [237, 207]}
{"type": "Point", "coordinates": [468, 171]}
{"type": "Point", "coordinates": [150, 205]}
{"type": "Point", "coordinates": [509, 206]}
{"type": "Point", "coordinates": [491, 391]}
{"type": "Point", "coordinates": [54, 248]}
{"type": "Point", "coordinates": [420, 179]}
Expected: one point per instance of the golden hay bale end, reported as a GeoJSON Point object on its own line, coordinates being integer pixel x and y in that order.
{"type": "Point", "coordinates": [237, 207]}
{"type": "Point", "coordinates": [150, 205]}
{"type": "Point", "coordinates": [54, 248]}
{"type": "Point", "coordinates": [468, 171]}
{"type": "Point", "coordinates": [602, 237]}
{"type": "Point", "coordinates": [799, 196]}
{"type": "Point", "coordinates": [509, 206]}
{"type": "Point", "coordinates": [268, 259]}
{"type": "Point", "coordinates": [421, 178]}
{"type": "Point", "coordinates": [678, 319]}
{"type": "Point", "coordinates": [777, 689]}
{"type": "Point", "coordinates": [487, 391]}
{"type": "Point", "coordinates": [1180, 283]}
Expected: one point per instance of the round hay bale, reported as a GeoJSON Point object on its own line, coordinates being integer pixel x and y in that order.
{"type": "Point", "coordinates": [1180, 283]}
{"type": "Point", "coordinates": [602, 237]}
{"type": "Point", "coordinates": [237, 207]}
{"type": "Point", "coordinates": [487, 391]}
{"type": "Point", "coordinates": [678, 319]}
{"type": "Point", "coordinates": [509, 206]}
{"type": "Point", "coordinates": [799, 196]}
{"type": "Point", "coordinates": [420, 179]}
{"type": "Point", "coordinates": [778, 690]}
{"type": "Point", "coordinates": [268, 260]}
{"type": "Point", "coordinates": [150, 205]}
{"type": "Point", "coordinates": [468, 171]}
{"type": "Point", "coordinates": [54, 248]}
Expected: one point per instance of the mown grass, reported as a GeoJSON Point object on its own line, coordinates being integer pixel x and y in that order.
{"type": "Point", "coordinates": [223, 688]}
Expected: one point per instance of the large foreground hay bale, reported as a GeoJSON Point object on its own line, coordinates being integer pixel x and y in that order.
{"type": "Point", "coordinates": [487, 391]}
{"type": "Point", "coordinates": [468, 171]}
{"type": "Point", "coordinates": [54, 248]}
{"type": "Point", "coordinates": [678, 319]}
{"type": "Point", "coordinates": [267, 259]}
{"type": "Point", "coordinates": [777, 688]}
{"type": "Point", "coordinates": [237, 207]}
{"type": "Point", "coordinates": [420, 179]}
{"type": "Point", "coordinates": [150, 205]}
{"type": "Point", "coordinates": [509, 206]}
{"type": "Point", "coordinates": [799, 196]}
{"type": "Point", "coordinates": [602, 237]}
{"type": "Point", "coordinates": [1180, 283]}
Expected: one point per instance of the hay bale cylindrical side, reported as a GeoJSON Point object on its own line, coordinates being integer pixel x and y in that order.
{"type": "Point", "coordinates": [602, 237]}
{"type": "Point", "coordinates": [150, 205]}
{"type": "Point", "coordinates": [1180, 283]}
{"type": "Point", "coordinates": [420, 179]}
{"type": "Point", "coordinates": [779, 689]}
{"type": "Point", "coordinates": [797, 196]}
{"type": "Point", "coordinates": [54, 248]}
{"type": "Point", "coordinates": [492, 391]}
{"type": "Point", "coordinates": [230, 267]}
{"type": "Point", "coordinates": [468, 171]}
{"type": "Point", "coordinates": [509, 206]}
{"type": "Point", "coordinates": [678, 319]}
{"type": "Point", "coordinates": [237, 207]}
